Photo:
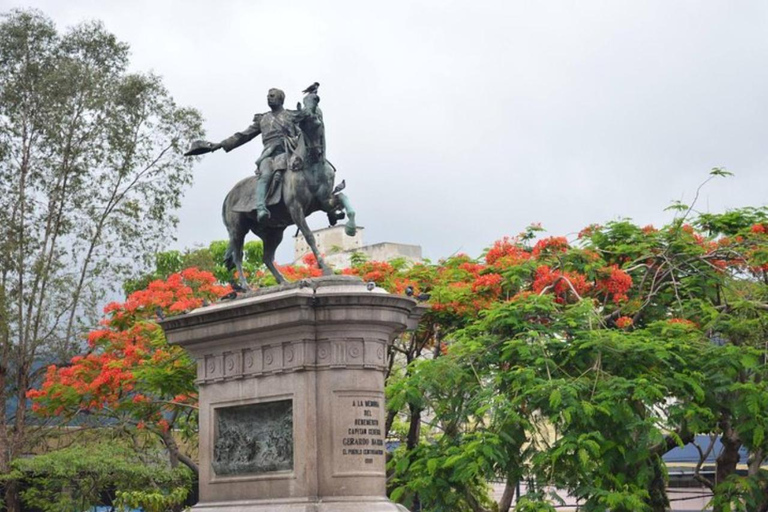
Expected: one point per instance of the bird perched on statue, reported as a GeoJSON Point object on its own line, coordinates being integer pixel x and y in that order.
{"type": "Point", "coordinates": [341, 186]}
{"type": "Point", "coordinates": [409, 291]}
{"type": "Point", "coordinates": [312, 89]}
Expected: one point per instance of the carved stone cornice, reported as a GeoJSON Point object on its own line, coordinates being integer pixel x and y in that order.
{"type": "Point", "coordinates": [270, 358]}
{"type": "Point", "coordinates": [294, 328]}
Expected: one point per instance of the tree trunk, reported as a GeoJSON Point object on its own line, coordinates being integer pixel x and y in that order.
{"type": "Point", "coordinates": [12, 500]}
{"type": "Point", "coordinates": [473, 503]}
{"type": "Point", "coordinates": [728, 458]}
{"type": "Point", "coordinates": [5, 353]}
{"type": "Point", "coordinates": [15, 439]}
{"type": "Point", "coordinates": [414, 428]}
{"type": "Point", "coordinates": [754, 462]}
{"type": "Point", "coordinates": [659, 501]}
{"type": "Point", "coordinates": [509, 494]}
{"type": "Point", "coordinates": [763, 506]}
{"type": "Point", "coordinates": [4, 444]}
{"type": "Point", "coordinates": [391, 415]}
{"type": "Point", "coordinates": [19, 438]}
{"type": "Point", "coordinates": [175, 455]}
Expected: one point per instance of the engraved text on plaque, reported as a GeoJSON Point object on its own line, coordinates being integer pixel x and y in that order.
{"type": "Point", "coordinates": [359, 433]}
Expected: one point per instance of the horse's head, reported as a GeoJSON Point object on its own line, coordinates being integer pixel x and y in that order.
{"type": "Point", "coordinates": [311, 101]}
{"type": "Point", "coordinates": [314, 129]}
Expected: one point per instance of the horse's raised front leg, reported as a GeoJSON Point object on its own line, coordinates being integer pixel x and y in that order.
{"type": "Point", "coordinates": [272, 238]}
{"type": "Point", "coordinates": [298, 217]}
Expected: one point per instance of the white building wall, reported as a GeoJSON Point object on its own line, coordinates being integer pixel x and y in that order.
{"type": "Point", "coordinates": [337, 248]}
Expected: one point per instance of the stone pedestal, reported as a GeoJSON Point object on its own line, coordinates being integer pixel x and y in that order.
{"type": "Point", "coordinates": [292, 396]}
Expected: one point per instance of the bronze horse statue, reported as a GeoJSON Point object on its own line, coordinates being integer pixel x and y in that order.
{"type": "Point", "coordinates": [303, 192]}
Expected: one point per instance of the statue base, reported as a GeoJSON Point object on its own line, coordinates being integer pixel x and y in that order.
{"type": "Point", "coordinates": [291, 380]}
{"type": "Point", "coordinates": [359, 505]}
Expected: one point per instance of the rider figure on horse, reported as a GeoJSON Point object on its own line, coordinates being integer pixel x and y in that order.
{"type": "Point", "coordinates": [294, 140]}
{"type": "Point", "coordinates": [279, 131]}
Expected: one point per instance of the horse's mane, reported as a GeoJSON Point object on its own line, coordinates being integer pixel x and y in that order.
{"type": "Point", "coordinates": [314, 134]}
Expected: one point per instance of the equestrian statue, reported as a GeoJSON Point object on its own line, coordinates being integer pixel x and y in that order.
{"type": "Point", "coordinates": [293, 179]}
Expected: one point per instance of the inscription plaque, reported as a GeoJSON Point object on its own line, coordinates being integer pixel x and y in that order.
{"type": "Point", "coordinates": [255, 438]}
{"type": "Point", "coordinates": [359, 433]}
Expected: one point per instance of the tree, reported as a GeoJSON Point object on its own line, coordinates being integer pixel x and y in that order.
{"type": "Point", "coordinates": [590, 361]}
{"type": "Point", "coordinates": [131, 376]}
{"type": "Point", "coordinates": [210, 259]}
{"type": "Point", "coordinates": [738, 370]}
{"type": "Point", "coordinates": [90, 174]}
{"type": "Point", "coordinates": [80, 477]}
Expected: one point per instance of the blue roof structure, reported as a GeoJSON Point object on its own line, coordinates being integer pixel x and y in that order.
{"type": "Point", "coordinates": [688, 454]}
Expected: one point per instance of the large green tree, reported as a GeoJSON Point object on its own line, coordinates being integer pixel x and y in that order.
{"type": "Point", "coordinates": [90, 174]}
{"type": "Point", "coordinates": [577, 364]}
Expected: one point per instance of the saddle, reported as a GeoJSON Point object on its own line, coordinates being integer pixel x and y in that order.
{"type": "Point", "coordinates": [295, 152]}
{"type": "Point", "coordinates": [246, 200]}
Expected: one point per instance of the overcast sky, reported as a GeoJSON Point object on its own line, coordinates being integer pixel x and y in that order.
{"type": "Point", "coordinates": [455, 123]}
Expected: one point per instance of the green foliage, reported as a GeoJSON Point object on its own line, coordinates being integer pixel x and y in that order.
{"type": "Point", "coordinates": [719, 171]}
{"type": "Point", "coordinates": [570, 365]}
{"type": "Point", "coordinates": [357, 258]}
{"type": "Point", "coordinates": [732, 222]}
{"type": "Point", "coordinates": [444, 477]}
{"type": "Point", "coordinates": [209, 258]}
{"type": "Point", "coordinates": [91, 173]}
{"type": "Point", "coordinates": [152, 501]}
{"type": "Point", "coordinates": [77, 478]}
{"type": "Point", "coordinates": [253, 257]}
{"type": "Point", "coordinates": [739, 494]}
{"type": "Point", "coordinates": [584, 387]}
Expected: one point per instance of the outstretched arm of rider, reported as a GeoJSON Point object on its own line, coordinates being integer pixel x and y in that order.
{"type": "Point", "coordinates": [240, 138]}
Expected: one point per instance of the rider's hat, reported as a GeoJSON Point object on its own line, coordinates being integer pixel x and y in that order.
{"type": "Point", "coordinates": [199, 147]}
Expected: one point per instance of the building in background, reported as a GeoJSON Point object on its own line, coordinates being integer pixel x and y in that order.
{"type": "Point", "coordinates": [337, 248]}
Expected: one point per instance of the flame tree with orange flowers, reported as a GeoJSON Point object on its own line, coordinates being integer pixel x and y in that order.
{"type": "Point", "coordinates": [130, 375]}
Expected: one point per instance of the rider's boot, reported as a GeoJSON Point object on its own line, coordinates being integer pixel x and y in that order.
{"type": "Point", "coordinates": [262, 213]}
